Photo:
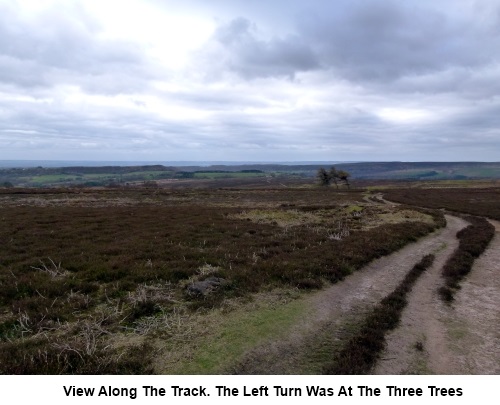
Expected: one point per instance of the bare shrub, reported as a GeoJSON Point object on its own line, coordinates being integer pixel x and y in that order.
{"type": "Point", "coordinates": [343, 231]}
{"type": "Point", "coordinates": [52, 269]}
{"type": "Point", "coordinates": [207, 270]}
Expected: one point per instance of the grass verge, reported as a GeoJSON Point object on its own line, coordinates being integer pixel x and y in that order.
{"type": "Point", "coordinates": [237, 332]}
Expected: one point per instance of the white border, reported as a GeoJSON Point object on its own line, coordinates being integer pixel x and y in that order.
{"type": "Point", "coordinates": [50, 389]}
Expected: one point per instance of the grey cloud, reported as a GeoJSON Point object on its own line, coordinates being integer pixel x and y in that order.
{"type": "Point", "coordinates": [470, 84]}
{"type": "Point", "coordinates": [25, 74]}
{"type": "Point", "coordinates": [244, 53]}
{"type": "Point", "coordinates": [478, 119]}
{"type": "Point", "coordinates": [387, 40]}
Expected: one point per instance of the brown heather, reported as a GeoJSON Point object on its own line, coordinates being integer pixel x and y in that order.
{"type": "Point", "coordinates": [78, 267]}
{"type": "Point", "coordinates": [484, 202]}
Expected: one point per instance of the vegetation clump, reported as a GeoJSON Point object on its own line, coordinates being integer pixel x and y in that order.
{"type": "Point", "coordinates": [473, 240]}
{"type": "Point", "coordinates": [337, 176]}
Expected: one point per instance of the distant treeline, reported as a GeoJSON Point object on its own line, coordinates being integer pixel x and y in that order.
{"type": "Point", "coordinates": [89, 175]}
{"type": "Point", "coordinates": [81, 170]}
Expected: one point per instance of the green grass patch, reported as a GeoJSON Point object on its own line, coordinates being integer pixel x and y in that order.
{"type": "Point", "coordinates": [79, 178]}
{"type": "Point", "coordinates": [225, 175]}
{"type": "Point", "coordinates": [354, 208]}
{"type": "Point", "coordinates": [237, 333]}
{"type": "Point", "coordinates": [49, 178]}
{"type": "Point", "coordinates": [282, 218]}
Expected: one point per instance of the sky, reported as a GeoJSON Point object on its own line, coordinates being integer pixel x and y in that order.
{"type": "Point", "coordinates": [239, 80]}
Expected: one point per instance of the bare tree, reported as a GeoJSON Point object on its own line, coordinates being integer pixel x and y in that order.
{"type": "Point", "coordinates": [344, 177]}
{"type": "Point", "coordinates": [334, 176]}
{"type": "Point", "coordinates": [323, 177]}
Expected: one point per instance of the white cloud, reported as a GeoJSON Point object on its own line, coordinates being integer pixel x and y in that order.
{"type": "Point", "coordinates": [405, 115]}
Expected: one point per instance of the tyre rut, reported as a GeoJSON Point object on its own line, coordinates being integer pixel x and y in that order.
{"type": "Point", "coordinates": [335, 311]}
{"type": "Point", "coordinates": [462, 338]}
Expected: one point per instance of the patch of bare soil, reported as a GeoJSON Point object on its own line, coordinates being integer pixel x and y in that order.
{"type": "Point", "coordinates": [436, 338]}
{"type": "Point", "coordinates": [335, 312]}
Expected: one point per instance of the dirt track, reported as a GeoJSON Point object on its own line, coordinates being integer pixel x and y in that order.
{"type": "Point", "coordinates": [463, 338]}
{"type": "Point", "coordinates": [477, 314]}
{"type": "Point", "coordinates": [334, 312]}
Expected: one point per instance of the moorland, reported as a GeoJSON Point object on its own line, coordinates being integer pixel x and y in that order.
{"type": "Point", "coordinates": [248, 273]}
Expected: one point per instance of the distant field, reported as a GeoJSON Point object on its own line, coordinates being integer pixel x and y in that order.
{"type": "Point", "coordinates": [215, 175]}
{"type": "Point", "coordinates": [134, 175]}
{"type": "Point", "coordinates": [440, 174]}
{"type": "Point", "coordinates": [55, 179]}
{"type": "Point", "coordinates": [69, 177]}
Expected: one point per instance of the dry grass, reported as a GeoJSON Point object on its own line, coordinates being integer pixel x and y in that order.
{"type": "Point", "coordinates": [281, 218]}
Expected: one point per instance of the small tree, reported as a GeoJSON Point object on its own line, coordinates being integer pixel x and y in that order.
{"type": "Point", "coordinates": [334, 176]}
{"type": "Point", "coordinates": [323, 177]}
{"type": "Point", "coordinates": [344, 177]}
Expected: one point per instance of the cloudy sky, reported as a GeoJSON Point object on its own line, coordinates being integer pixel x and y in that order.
{"type": "Point", "coordinates": [239, 80]}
